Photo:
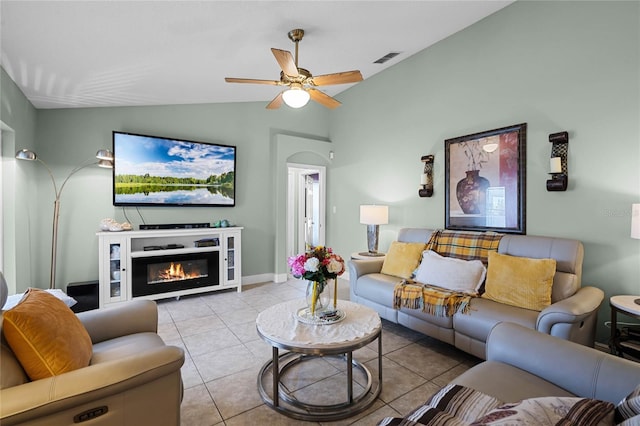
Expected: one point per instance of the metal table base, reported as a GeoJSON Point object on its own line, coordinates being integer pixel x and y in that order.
{"type": "Point", "coordinates": [284, 402]}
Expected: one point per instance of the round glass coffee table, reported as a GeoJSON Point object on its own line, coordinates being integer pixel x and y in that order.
{"type": "Point", "coordinates": [282, 329]}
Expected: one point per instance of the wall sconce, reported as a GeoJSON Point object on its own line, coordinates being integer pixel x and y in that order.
{"type": "Point", "coordinates": [426, 180]}
{"type": "Point", "coordinates": [558, 163]}
{"type": "Point", "coordinates": [373, 216]}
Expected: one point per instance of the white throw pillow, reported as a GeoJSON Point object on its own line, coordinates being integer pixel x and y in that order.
{"type": "Point", "coordinates": [15, 299]}
{"type": "Point", "coordinates": [465, 276]}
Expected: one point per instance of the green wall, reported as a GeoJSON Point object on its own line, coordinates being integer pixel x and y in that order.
{"type": "Point", "coordinates": [18, 124]}
{"type": "Point", "coordinates": [557, 66]}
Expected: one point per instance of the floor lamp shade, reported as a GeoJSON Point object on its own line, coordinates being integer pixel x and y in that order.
{"type": "Point", "coordinates": [373, 216]}
{"type": "Point", "coordinates": [635, 221]}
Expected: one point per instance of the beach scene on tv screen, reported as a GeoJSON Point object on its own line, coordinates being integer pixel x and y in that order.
{"type": "Point", "coordinates": [150, 170]}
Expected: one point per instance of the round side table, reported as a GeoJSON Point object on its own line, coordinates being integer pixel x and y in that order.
{"type": "Point", "coordinates": [628, 305]}
{"type": "Point", "coordinates": [279, 327]}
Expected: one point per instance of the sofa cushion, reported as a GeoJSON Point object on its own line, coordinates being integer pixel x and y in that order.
{"type": "Point", "coordinates": [11, 372]}
{"type": "Point", "coordinates": [551, 411]}
{"type": "Point", "coordinates": [46, 336]}
{"type": "Point", "coordinates": [484, 314]}
{"type": "Point", "coordinates": [402, 259]}
{"type": "Point", "coordinates": [465, 276]}
{"type": "Point", "coordinates": [508, 383]}
{"type": "Point", "coordinates": [519, 281]}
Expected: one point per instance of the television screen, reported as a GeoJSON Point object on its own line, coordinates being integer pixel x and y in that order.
{"type": "Point", "coordinates": [155, 171]}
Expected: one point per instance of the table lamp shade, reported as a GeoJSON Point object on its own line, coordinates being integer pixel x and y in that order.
{"type": "Point", "coordinates": [635, 221]}
{"type": "Point", "coordinates": [374, 215]}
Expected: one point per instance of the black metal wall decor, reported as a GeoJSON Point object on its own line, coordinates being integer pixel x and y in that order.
{"type": "Point", "coordinates": [426, 181]}
{"type": "Point", "coordinates": [558, 163]}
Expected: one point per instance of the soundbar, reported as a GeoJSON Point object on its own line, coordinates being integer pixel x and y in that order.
{"type": "Point", "coordinates": [175, 226]}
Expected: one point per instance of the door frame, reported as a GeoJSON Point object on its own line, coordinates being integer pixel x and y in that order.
{"type": "Point", "coordinates": [295, 215]}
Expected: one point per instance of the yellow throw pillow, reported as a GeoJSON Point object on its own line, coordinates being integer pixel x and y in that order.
{"type": "Point", "coordinates": [402, 259]}
{"type": "Point", "coordinates": [520, 281]}
{"type": "Point", "coordinates": [46, 336]}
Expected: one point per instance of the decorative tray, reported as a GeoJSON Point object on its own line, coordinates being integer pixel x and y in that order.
{"type": "Point", "coordinates": [325, 318]}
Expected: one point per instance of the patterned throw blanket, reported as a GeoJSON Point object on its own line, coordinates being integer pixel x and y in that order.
{"type": "Point", "coordinates": [432, 300]}
{"type": "Point", "coordinates": [439, 301]}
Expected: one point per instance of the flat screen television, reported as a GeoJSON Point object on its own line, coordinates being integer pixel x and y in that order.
{"type": "Point", "coordinates": [157, 171]}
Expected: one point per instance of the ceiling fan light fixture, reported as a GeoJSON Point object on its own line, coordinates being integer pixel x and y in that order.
{"type": "Point", "coordinates": [295, 97]}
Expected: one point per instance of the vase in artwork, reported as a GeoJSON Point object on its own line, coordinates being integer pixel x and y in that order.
{"type": "Point", "coordinates": [318, 298]}
{"type": "Point", "coordinates": [471, 192]}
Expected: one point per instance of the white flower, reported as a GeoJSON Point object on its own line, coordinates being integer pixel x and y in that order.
{"type": "Point", "coordinates": [311, 264]}
{"type": "Point", "coordinates": [334, 266]}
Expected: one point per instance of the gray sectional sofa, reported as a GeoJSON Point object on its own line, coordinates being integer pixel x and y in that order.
{"type": "Point", "coordinates": [522, 364]}
{"type": "Point", "coordinates": [571, 316]}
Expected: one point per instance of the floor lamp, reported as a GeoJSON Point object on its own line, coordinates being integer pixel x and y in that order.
{"type": "Point", "coordinates": [105, 159]}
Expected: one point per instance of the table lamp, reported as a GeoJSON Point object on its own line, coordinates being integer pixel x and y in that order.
{"type": "Point", "coordinates": [373, 216]}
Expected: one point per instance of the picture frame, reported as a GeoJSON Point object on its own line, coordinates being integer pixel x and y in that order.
{"type": "Point", "coordinates": [485, 181]}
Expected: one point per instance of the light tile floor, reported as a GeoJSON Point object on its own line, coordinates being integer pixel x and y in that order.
{"type": "Point", "coordinates": [223, 354]}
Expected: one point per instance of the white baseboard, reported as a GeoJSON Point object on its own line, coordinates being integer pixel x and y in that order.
{"type": "Point", "coordinates": [260, 278]}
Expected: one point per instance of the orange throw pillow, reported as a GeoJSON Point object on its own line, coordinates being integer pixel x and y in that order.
{"type": "Point", "coordinates": [46, 336]}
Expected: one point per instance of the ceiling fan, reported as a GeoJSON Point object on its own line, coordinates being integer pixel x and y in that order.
{"type": "Point", "coordinates": [301, 84]}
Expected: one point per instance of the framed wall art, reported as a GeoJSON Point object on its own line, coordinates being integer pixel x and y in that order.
{"type": "Point", "coordinates": [485, 180]}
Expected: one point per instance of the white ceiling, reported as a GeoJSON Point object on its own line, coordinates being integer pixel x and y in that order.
{"type": "Point", "coordinates": [113, 53]}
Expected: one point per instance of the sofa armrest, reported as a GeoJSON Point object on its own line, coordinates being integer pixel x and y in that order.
{"type": "Point", "coordinates": [358, 268]}
{"type": "Point", "coordinates": [136, 316]}
{"type": "Point", "coordinates": [46, 396]}
{"type": "Point", "coordinates": [571, 310]}
{"type": "Point", "coordinates": [583, 371]}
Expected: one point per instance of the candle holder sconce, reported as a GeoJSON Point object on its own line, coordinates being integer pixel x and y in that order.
{"type": "Point", "coordinates": [426, 181]}
{"type": "Point", "coordinates": [558, 163]}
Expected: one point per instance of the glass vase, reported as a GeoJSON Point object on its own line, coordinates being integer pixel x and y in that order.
{"type": "Point", "coordinates": [318, 298]}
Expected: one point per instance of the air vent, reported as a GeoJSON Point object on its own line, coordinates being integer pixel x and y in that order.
{"type": "Point", "coordinates": [386, 57]}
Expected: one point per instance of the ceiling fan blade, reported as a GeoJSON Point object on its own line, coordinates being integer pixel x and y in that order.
{"type": "Point", "coordinates": [286, 62]}
{"type": "Point", "coordinates": [276, 102]}
{"type": "Point", "coordinates": [251, 80]}
{"type": "Point", "coordinates": [338, 78]}
{"type": "Point", "coordinates": [323, 99]}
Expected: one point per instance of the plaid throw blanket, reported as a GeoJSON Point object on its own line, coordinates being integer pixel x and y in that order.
{"type": "Point", "coordinates": [432, 300]}
{"type": "Point", "coordinates": [439, 301]}
{"type": "Point", "coordinates": [466, 245]}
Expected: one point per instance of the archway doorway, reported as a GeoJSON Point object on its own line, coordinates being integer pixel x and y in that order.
{"type": "Point", "coordinates": [305, 207]}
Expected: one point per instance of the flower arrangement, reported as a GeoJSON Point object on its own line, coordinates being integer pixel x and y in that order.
{"type": "Point", "coordinates": [318, 265]}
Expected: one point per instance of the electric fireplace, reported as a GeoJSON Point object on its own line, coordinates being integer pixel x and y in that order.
{"type": "Point", "coordinates": [173, 272]}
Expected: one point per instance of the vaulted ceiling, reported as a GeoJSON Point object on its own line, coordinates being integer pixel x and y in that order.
{"type": "Point", "coordinates": [65, 54]}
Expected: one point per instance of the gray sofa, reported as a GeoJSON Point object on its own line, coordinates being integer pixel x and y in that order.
{"type": "Point", "coordinates": [571, 316]}
{"type": "Point", "coordinates": [522, 363]}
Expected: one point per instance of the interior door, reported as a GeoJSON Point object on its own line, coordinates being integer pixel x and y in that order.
{"type": "Point", "coordinates": [306, 208]}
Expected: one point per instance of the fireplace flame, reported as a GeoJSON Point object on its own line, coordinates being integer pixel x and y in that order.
{"type": "Point", "coordinates": [176, 272]}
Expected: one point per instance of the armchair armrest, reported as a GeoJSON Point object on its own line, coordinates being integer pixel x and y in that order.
{"type": "Point", "coordinates": [136, 316]}
{"type": "Point", "coordinates": [46, 396]}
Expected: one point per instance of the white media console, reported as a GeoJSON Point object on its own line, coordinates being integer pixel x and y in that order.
{"type": "Point", "coordinates": [129, 257]}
